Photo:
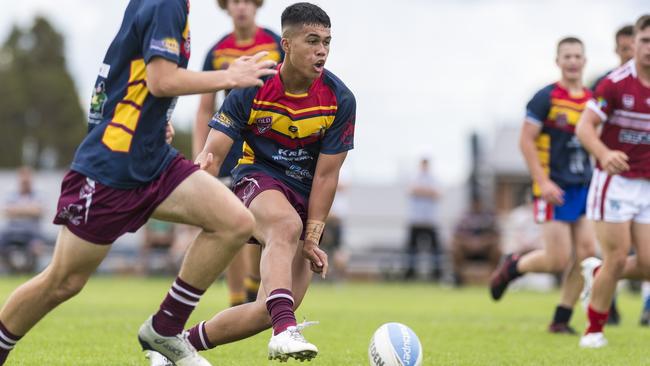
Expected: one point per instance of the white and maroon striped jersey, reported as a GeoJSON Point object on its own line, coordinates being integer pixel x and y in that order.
{"type": "Point", "coordinates": [624, 104]}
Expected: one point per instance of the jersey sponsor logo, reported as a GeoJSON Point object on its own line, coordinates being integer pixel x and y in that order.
{"type": "Point", "coordinates": [222, 119]}
{"type": "Point", "coordinates": [634, 137]}
{"type": "Point", "coordinates": [562, 119]}
{"type": "Point", "coordinates": [602, 103]}
{"type": "Point", "coordinates": [292, 155]}
{"type": "Point", "coordinates": [264, 124]}
{"type": "Point", "coordinates": [628, 101]}
{"type": "Point", "coordinates": [169, 45]}
{"type": "Point", "coordinates": [97, 102]}
{"type": "Point", "coordinates": [298, 173]}
{"type": "Point", "coordinates": [104, 70]}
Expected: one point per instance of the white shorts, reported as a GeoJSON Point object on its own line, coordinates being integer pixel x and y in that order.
{"type": "Point", "coordinates": [618, 199]}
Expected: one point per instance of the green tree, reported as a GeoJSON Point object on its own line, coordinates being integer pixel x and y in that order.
{"type": "Point", "coordinates": [39, 106]}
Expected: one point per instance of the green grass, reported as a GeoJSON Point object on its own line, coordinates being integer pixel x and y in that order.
{"type": "Point", "coordinates": [456, 327]}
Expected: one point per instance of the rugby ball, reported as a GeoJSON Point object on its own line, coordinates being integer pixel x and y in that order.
{"type": "Point", "coordinates": [395, 344]}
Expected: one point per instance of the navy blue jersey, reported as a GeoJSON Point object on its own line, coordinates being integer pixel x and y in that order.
{"type": "Point", "coordinates": [557, 112]}
{"type": "Point", "coordinates": [125, 146]}
{"type": "Point", "coordinates": [227, 50]}
{"type": "Point", "coordinates": [284, 133]}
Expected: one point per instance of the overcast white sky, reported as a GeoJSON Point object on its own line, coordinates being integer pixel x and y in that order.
{"type": "Point", "coordinates": [425, 72]}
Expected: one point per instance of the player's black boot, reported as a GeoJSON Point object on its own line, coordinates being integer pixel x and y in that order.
{"type": "Point", "coordinates": [505, 273]}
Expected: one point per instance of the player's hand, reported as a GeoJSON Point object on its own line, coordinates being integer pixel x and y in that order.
{"type": "Point", "coordinates": [614, 162]}
{"type": "Point", "coordinates": [551, 192]}
{"type": "Point", "coordinates": [247, 71]}
{"type": "Point", "coordinates": [206, 162]}
{"type": "Point", "coordinates": [169, 133]}
{"type": "Point", "coordinates": [316, 256]}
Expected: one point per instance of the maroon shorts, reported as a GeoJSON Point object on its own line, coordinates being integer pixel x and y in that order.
{"type": "Point", "coordinates": [101, 214]}
{"type": "Point", "coordinates": [250, 186]}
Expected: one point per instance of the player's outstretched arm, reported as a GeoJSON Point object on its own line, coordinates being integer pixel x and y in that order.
{"type": "Point", "coordinates": [550, 191]}
{"type": "Point", "coordinates": [323, 189]}
{"type": "Point", "coordinates": [214, 152]}
{"type": "Point", "coordinates": [612, 161]}
{"type": "Point", "coordinates": [166, 79]}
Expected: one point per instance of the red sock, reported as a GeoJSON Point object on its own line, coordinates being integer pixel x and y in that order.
{"type": "Point", "coordinates": [596, 319]}
{"type": "Point", "coordinates": [174, 311]}
{"type": "Point", "coordinates": [198, 337]}
{"type": "Point", "coordinates": [280, 307]}
{"type": "Point", "coordinates": [8, 341]}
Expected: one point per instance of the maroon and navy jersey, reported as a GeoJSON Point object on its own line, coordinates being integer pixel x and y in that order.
{"type": "Point", "coordinates": [125, 146]}
{"type": "Point", "coordinates": [223, 53]}
{"type": "Point", "coordinates": [285, 133]}
{"type": "Point", "coordinates": [623, 103]}
{"type": "Point", "coordinates": [557, 112]}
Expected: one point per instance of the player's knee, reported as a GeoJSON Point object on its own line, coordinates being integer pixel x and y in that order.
{"type": "Point", "coordinates": [286, 231]}
{"type": "Point", "coordinates": [559, 262]}
{"type": "Point", "coordinates": [615, 263]}
{"type": "Point", "coordinates": [244, 225]}
{"type": "Point", "coordinates": [65, 288]}
{"type": "Point", "coordinates": [585, 251]}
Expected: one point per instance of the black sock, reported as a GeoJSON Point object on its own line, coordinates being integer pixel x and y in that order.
{"type": "Point", "coordinates": [512, 268]}
{"type": "Point", "coordinates": [562, 314]}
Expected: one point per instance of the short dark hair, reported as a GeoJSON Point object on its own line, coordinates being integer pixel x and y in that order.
{"type": "Point", "coordinates": [642, 23]}
{"type": "Point", "coordinates": [625, 31]}
{"type": "Point", "coordinates": [223, 4]}
{"type": "Point", "coordinates": [304, 14]}
{"type": "Point", "coordinates": [567, 40]}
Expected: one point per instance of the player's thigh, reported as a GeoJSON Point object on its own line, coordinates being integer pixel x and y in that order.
{"type": "Point", "coordinates": [584, 238]}
{"type": "Point", "coordinates": [201, 200]}
{"type": "Point", "coordinates": [614, 238]}
{"type": "Point", "coordinates": [74, 259]}
{"type": "Point", "coordinates": [275, 217]}
{"type": "Point", "coordinates": [641, 242]}
{"type": "Point", "coordinates": [557, 241]}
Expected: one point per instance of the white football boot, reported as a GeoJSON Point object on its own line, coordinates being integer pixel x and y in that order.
{"type": "Point", "coordinates": [176, 349]}
{"type": "Point", "coordinates": [588, 265]}
{"type": "Point", "coordinates": [291, 344]}
{"type": "Point", "coordinates": [156, 359]}
{"type": "Point", "coordinates": [593, 340]}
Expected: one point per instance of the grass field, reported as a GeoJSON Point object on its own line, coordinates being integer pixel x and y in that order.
{"type": "Point", "coordinates": [456, 327]}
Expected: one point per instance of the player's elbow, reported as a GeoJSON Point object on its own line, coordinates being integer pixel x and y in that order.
{"type": "Point", "coordinates": [160, 87]}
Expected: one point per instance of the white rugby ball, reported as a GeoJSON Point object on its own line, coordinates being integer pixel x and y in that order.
{"type": "Point", "coordinates": [395, 344]}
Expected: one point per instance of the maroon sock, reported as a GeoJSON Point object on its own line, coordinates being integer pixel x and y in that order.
{"type": "Point", "coordinates": [280, 307]}
{"type": "Point", "coordinates": [174, 311]}
{"type": "Point", "coordinates": [8, 341]}
{"type": "Point", "coordinates": [596, 319]}
{"type": "Point", "coordinates": [198, 337]}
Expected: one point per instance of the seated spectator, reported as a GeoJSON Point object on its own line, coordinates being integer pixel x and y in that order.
{"type": "Point", "coordinates": [476, 239]}
{"type": "Point", "coordinates": [21, 240]}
